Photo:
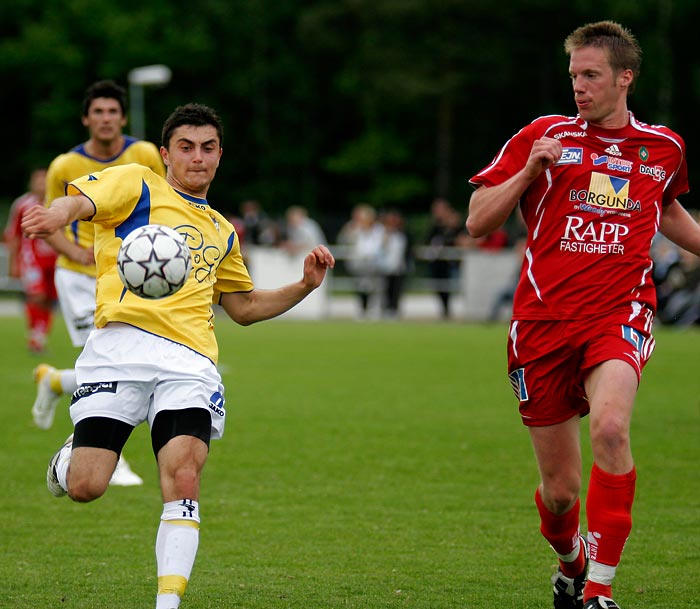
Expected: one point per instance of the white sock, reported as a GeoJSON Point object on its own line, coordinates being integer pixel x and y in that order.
{"type": "Point", "coordinates": [61, 466]}
{"type": "Point", "coordinates": [176, 548]}
{"type": "Point", "coordinates": [167, 601]}
{"type": "Point", "coordinates": [68, 381]}
{"type": "Point", "coordinates": [600, 573]}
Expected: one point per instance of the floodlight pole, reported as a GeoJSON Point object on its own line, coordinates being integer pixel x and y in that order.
{"type": "Point", "coordinates": [145, 76]}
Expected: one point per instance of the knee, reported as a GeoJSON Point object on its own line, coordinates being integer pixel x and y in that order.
{"type": "Point", "coordinates": [609, 435]}
{"type": "Point", "coordinates": [186, 481]}
{"type": "Point", "coordinates": [559, 496]}
{"type": "Point", "coordinates": [85, 490]}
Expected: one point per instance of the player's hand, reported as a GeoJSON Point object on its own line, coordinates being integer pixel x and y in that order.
{"type": "Point", "coordinates": [545, 152]}
{"type": "Point", "coordinates": [315, 265]}
{"type": "Point", "coordinates": [40, 222]}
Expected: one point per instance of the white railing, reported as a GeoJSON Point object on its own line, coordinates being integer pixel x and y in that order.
{"type": "Point", "coordinates": [7, 283]}
{"type": "Point", "coordinates": [481, 278]}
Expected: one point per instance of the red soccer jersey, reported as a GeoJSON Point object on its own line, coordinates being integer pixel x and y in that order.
{"type": "Point", "coordinates": [35, 250]}
{"type": "Point", "coordinates": [592, 216]}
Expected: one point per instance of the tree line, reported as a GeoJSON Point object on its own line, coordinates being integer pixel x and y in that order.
{"type": "Point", "coordinates": [327, 103]}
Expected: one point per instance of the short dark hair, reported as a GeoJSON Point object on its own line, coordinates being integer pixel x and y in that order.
{"type": "Point", "coordinates": [622, 48]}
{"type": "Point", "coordinates": [104, 88]}
{"type": "Point", "coordinates": [197, 115]}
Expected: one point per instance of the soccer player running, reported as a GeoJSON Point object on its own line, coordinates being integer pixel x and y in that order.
{"type": "Point", "coordinates": [156, 361]}
{"type": "Point", "coordinates": [593, 190]}
{"type": "Point", "coordinates": [104, 114]}
{"type": "Point", "coordinates": [33, 262]}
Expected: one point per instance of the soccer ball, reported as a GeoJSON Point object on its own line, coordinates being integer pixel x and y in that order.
{"type": "Point", "coordinates": [154, 261]}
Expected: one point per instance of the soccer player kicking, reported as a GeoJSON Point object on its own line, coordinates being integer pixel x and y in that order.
{"type": "Point", "coordinates": [104, 114]}
{"type": "Point", "coordinates": [156, 362]}
{"type": "Point", "coordinates": [593, 190]}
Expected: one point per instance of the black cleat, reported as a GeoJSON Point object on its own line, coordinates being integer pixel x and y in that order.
{"type": "Point", "coordinates": [51, 479]}
{"type": "Point", "coordinates": [568, 591]}
{"type": "Point", "coordinates": [600, 602]}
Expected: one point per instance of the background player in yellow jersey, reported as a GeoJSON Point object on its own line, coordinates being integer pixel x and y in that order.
{"type": "Point", "coordinates": [155, 361]}
{"type": "Point", "coordinates": [104, 115]}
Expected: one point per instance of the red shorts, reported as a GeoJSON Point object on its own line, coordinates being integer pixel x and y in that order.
{"type": "Point", "coordinates": [548, 361]}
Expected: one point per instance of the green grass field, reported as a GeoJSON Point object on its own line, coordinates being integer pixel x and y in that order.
{"type": "Point", "coordinates": [364, 466]}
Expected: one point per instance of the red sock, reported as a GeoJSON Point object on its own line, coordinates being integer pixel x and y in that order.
{"type": "Point", "coordinates": [609, 514]}
{"type": "Point", "coordinates": [39, 320]}
{"type": "Point", "coordinates": [593, 589]}
{"type": "Point", "coordinates": [562, 533]}
{"type": "Point", "coordinates": [46, 317]}
{"type": "Point", "coordinates": [33, 313]}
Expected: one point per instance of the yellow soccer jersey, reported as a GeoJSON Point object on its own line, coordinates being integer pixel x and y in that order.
{"type": "Point", "coordinates": [76, 163]}
{"type": "Point", "coordinates": [131, 196]}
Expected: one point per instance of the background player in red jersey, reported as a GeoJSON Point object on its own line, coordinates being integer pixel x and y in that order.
{"type": "Point", "coordinates": [593, 190]}
{"type": "Point", "coordinates": [33, 262]}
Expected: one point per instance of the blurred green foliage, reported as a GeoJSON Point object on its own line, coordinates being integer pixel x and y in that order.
{"type": "Point", "coordinates": [331, 102]}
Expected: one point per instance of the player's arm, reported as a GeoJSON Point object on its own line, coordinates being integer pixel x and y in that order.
{"type": "Point", "coordinates": [59, 242]}
{"type": "Point", "coordinates": [42, 222]}
{"type": "Point", "coordinates": [12, 237]}
{"type": "Point", "coordinates": [247, 308]}
{"type": "Point", "coordinates": [12, 243]}
{"type": "Point", "coordinates": [680, 227]}
{"type": "Point", "coordinates": [490, 206]}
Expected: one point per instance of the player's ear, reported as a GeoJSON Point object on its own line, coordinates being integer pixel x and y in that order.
{"type": "Point", "coordinates": [625, 78]}
{"type": "Point", "coordinates": [164, 156]}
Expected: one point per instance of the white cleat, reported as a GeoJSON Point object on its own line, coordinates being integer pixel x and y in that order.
{"type": "Point", "coordinates": [44, 407]}
{"type": "Point", "coordinates": [124, 476]}
{"type": "Point", "coordinates": [52, 482]}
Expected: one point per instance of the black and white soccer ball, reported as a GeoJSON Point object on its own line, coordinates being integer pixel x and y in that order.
{"type": "Point", "coordinates": [154, 261]}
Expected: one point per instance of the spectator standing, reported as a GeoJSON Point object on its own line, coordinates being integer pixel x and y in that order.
{"type": "Point", "coordinates": [258, 228]}
{"type": "Point", "coordinates": [302, 232]}
{"type": "Point", "coordinates": [679, 291]}
{"type": "Point", "coordinates": [446, 231]}
{"type": "Point", "coordinates": [363, 235]}
{"type": "Point", "coordinates": [33, 262]}
{"type": "Point", "coordinates": [394, 262]}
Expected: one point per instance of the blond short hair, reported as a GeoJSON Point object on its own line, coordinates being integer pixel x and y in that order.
{"type": "Point", "coordinates": [622, 48]}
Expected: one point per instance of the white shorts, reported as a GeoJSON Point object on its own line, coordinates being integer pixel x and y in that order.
{"type": "Point", "coordinates": [130, 375]}
{"type": "Point", "coordinates": [76, 295]}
